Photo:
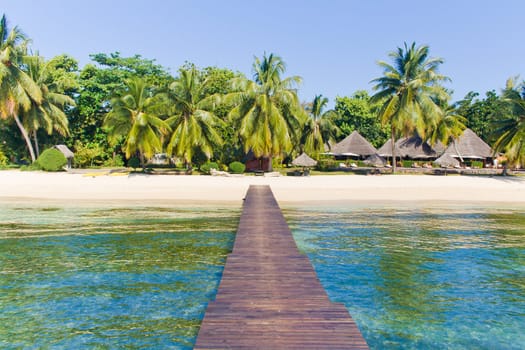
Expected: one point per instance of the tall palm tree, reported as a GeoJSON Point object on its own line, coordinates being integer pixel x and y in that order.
{"type": "Point", "coordinates": [49, 114]}
{"type": "Point", "coordinates": [192, 119]}
{"type": "Point", "coordinates": [133, 118]}
{"type": "Point", "coordinates": [17, 90]}
{"type": "Point", "coordinates": [267, 110]}
{"type": "Point", "coordinates": [319, 128]}
{"type": "Point", "coordinates": [448, 127]}
{"type": "Point", "coordinates": [409, 89]}
{"type": "Point", "coordinates": [510, 130]}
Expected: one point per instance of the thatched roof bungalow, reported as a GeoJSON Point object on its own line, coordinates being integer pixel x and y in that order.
{"type": "Point", "coordinates": [409, 147]}
{"type": "Point", "coordinates": [304, 161]}
{"type": "Point", "coordinates": [354, 145]}
{"type": "Point", "coordinates": [447, 161]}
{"type": "Point", "coordinates": [469, 146]}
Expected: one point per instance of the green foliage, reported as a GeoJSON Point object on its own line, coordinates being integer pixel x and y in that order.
{"type": "Point", "coordinates": [357, 112]}
{"type": "Point", "coordinates": [52, 160]}
{"type": "Point", "coordinates": [481, 114]}
{"type": "Point", "coordinates": [267, 112]}
{"type": "Point", "coordinates": [3, 159]}
{"type": "Point", "coordinates": [192, 120]}
{"type": "Point", "coordinates": [88, 155]}
{"type": "Point", "coordinates": [237, 167]}
{"type": "Point", "coordinates": [134, 119]}
{"type": "Point", "coordinates": [318, 129]}
{"type": "Point", "coordinates": [327, 164]}
{"type": "Point", "coordinates": [407, 163]}
{"type": "Point", "coordinates": [476, 164]}
{"type": "Point", "coordinates": [134, 162]}
{"type": "Point", "coordinates": [115, 161]}
{"type": "Point", "coordinates": [206, 167]}
{"type": "Point", "coordinates": [510, 123]}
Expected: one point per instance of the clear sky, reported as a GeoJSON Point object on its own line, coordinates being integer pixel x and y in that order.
{"type": "Point", "coordinates": [333, 45]}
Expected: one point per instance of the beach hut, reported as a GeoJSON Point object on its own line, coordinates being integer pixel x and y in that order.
{"type": "Point", "coordinates": [447, 161]}
{"type": "Point", "coordinates": [469, 146]}
{"type": "Point", "coordinates": [409, 147]}
{"type": "Point", "coordinates": [353, 146]}
{"type": "Point", "coordinates": [67, 153]}
{"type": "Point", "coordinates": [304, 161]}
{"type": "Point", "coordinates": [375, 160]}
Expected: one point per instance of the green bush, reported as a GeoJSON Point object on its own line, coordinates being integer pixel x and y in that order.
{"type": "Point", "coordinates": [206, 167]}
{"type": "Point", "coordinates": [51, 160]}
{"type": "Point", "coordinates": [3, 159]}
{"type": "Point", "coordinates": [116, 161]}
{"type": "Point", "coordinates": [237, 167]}
{"type": "Point", "coordinates": [328, 164]}
{"type": "Point", "coordinates": [476, 164]}
{"type": "Point", "coordinates": [88, 155]}
{"type": "Point", "coordinates": [407, 163]}
{"type": "Point", "coordinates": [134, 162]}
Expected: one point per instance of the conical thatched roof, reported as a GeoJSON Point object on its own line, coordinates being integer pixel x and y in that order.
{"type": "Point", "coordinates": [447, 161]}
{"type": "Point", "coordinates": [304, 160]}
{"type": "Point", "coordinates": [469, 145]}
{"type": "Point", "coordinates": [354, 145]}
{"type": "Point", "coordinates": [375, 160]}
{"type": "Point", "coordinates": [409, 147]}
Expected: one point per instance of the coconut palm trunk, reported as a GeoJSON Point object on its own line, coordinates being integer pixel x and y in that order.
{"type": "Point", "coordinates": [24, 133]}
{"type": "Point", "coordinates": [393, 145]}
{"type": "Point", "coordinates": [35, 140]}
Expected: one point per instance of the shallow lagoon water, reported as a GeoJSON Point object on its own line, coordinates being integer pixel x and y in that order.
{"type": "Point", "coordinates": [110, 277]}
{"type": "Point", "coordinates": [422, 278]}
{"type": "Point", "coordinates": [141, 277]}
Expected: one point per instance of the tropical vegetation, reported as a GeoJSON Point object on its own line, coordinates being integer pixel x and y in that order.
{"type": "Point", "coordinates": [119, 110]}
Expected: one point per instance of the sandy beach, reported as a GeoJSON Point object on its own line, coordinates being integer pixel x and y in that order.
{"type": "Point", "coordinates": [150, 189]}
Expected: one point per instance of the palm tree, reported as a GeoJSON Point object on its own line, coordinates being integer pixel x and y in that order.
{"type": "Point", "coordinates": [49, 114]}
{"type": "Point", "coordinates": [192, 119]}
{"type": "Point", "coordinates": [510, 130]}
{"type": "Point", "coordinates": [133, 118]}
{"type": "Point", "coordinates": [408, 90]}
{"type": "Point", "coordinates": [319, 128]}
{"type": "Point", "coordinates": [267, 110]}
{"type": "Point", "coordinates": [448, 127]}
{"type": "Point", "coordinates": [17, 90]}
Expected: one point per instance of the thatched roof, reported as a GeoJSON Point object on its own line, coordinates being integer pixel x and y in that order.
{"type": "Point", "coordinates": [65, 151]}
{"type": "Point", "coordinates": [447, 161]}
{"type": "Point", "coordinates": [375, 160]}
{"type": "Point", "coordinates": [354, 145]}
{"type": "Point", "coordinates": [469, 145]}
{"type": "Point", "coordinates": [304, 160]}
{"type": "Point", "coordinates": [409, 147]}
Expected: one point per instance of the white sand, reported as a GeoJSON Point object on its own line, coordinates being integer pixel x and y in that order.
{"type": "Point", "coordinates": [158, 189]}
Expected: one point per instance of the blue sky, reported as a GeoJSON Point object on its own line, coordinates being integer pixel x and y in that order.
{"type": "Point", "coordinates": [333, 45]}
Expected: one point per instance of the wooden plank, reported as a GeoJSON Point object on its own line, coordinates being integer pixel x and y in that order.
{"type": "Point", "coordinates": [269, 296]}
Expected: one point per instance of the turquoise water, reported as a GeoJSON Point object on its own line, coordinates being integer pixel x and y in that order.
{"type": "Point", "coordinates": [422, 278]}
{"type": "Point", "coordinates": [110, 277]}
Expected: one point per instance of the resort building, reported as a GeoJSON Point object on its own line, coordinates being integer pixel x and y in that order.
{"type": "Point", "coordinates": [470, 147]}
{"type": "Point", "coordinates": [353, 146]}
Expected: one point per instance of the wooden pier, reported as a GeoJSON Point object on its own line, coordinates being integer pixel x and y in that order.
{"type": "Point", "coordinates": [269, 296]}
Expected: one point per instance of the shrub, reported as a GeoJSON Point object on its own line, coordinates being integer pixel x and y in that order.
{"type": "Point", "coordinates": [206, 167]}
{"type": "Point", "coordinates": [328, 164]}
{"type": "Point", "coordinates": [51, 160]}
{"type": "Point", "coordinates": [134, 162]}
{"type": "Point", "coordinates": [116, 161]}
{"type": "Point", "coordinates": [3, 159]}
{"type": "Point", "coordinates": [237, 167]}
{"type": "Point", "coordinates": [476, 164]}
{"type": "Point", "coordinates": [407, 163]}
{"type": "Point", "coordinates": [87, 155]}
